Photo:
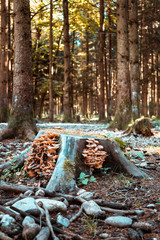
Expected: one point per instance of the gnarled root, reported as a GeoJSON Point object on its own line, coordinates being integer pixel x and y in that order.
{"type": "Point", "coordinates": [27, 132]}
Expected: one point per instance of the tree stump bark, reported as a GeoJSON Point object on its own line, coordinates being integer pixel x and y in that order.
{"type": "Point", "coordinates": [70, 163]}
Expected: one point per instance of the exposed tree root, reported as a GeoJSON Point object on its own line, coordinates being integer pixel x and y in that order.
{"type": "Point", "coordinates": [22, 188]}
{"type": "Point", "coordinates": [140, 126]}
{"type": "Point", "coordinates": [22, 130]}
{"type": "Point", "coordinates": [7, 133]}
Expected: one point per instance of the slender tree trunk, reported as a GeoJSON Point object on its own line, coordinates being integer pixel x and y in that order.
{"type": "Point", "coordinates": [134, 58]}
{"type": "Point", "coordinates": [158, 89]}
{"type": "Point", "coordinates": [109, 104]}
{"type": "Point", "coordinates": [153, 93]}
{"type": "Point", "coordinates": [4, 62]}
{"type": "Point", "coordinates": [152, 104]}
{"type": "Point", "coordinates": [41, 104]}
{"type": "Point", "coordinates": [85, 79]}
{"type": "Point", "coordinates": [144, 110]}
{"type": "Point", "coordinates": [10, 55]}
{"type": "Point", "coordinates": [51, 65]}
{"type": "Point", "coordinates": [123, 109]}
{"type": "Point", "coordinates": [21, 121]}
{"type": "Point", "coordinates": [67, 85]}
{"type": "Point", "coordinates": [72, 73]}
{"type": "Point", "coordinates": [101, 64]}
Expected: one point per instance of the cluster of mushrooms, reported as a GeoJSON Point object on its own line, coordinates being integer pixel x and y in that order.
{"type": "Point", "coordinates": [93, 154]}
{"type": "Point", "coordinates": [43, 155]}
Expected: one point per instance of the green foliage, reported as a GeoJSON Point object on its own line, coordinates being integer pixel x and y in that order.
{"type": "Point", "coordinates": [104, 171]}
{"type": "Point", "coordinates": [7, 175]}
{"type": "Point", "coordinates": [85, 179]}
{"type": "Point", "coordinates": [91, 224]}
{"type": "Point", "coordinates": [14, 173]}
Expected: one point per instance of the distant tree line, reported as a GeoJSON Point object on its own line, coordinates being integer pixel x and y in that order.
{"type": "Point", "coordinates": [86, 58]}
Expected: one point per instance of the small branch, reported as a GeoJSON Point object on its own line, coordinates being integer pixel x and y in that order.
{"type": "Point", "coordinates": [22, 188]}
{"type": "Point", "coordinates": [41, 205]}
{"type": "Point", "coordinates": [115, 205]}
{"type": "Point", "coordinates": [125, 212]}
{"type": "Point", "coordinates": [24, 214]}
{"type": "Point", "coordinates": [11, 213]}
{"type": "Point", "coordinates": [11, 202]}
{"type": "Point", "coordinates": [77, 214]}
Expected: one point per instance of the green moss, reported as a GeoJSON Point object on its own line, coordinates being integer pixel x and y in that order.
{"type": "Point", "coordinates": [121, 144]}
{"type": "Point", "coordinates": [69, 168]}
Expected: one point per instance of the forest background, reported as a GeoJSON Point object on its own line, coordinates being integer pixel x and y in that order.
{"type": "Point", "coordinates": [89, 58]}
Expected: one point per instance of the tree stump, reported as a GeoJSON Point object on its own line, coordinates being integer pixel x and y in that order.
{"type": "Point", "coordinates": [70, 162]}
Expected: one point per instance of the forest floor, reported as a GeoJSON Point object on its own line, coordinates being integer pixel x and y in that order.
{"type": "Point", "coordinates": [141, 194]}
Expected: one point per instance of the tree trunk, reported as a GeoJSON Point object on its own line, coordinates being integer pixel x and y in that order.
{"type": "Point", "coordinates": [134, 58]}
{"type": "Point", "coordinates": [108, 90]}
{"type": "Point", "coordinates": [101, 64]}
{"type": "Point", "coordinates": [144, 110]}
{"type": "Point", "coordinates": [85, 79]}
{"type": "Point", "coordinates": [10, 54]}
{"type": "Point", "coordinates": [153, 88]}
{"type": "Point", "coordinates": [123, 109]}
{"type": "Point", "coordinates": [4, 62]}
{"type": "Point", "coordinates": [72, 73]}
{"type": "Point", "coordinates": [51, 65]}
{"type": "Point", "coordinates": [158, 91]}
{"type": "Point", "coordinates": [21, 121]}
{"type": "Point", "coordinates": [67, 85]}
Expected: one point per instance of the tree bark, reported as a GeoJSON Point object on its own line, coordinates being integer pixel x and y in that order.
{"type": "Point", "coordinates": [85, 79]}
{"type": "Point", "coordinates": [101, 64]}
{"type": "Point", "coordinates": [158, 90]}
{"type": "Point", "coordinates": [67, 86]}
{"type": "Point", "coordinates": [123, 108]}
{"type": "Point", "coordinates": [108, 90]}
{"type": "Point", "coordinates": [4, 62]}
{"type": "Point", "coordinates": [134, 58]}
{"type": "Point", "coordinates": [21, 122]}
{"type": "Point", "coordinates": [51, 65]}
{"type": "Point", "coordinates": [144, 108]}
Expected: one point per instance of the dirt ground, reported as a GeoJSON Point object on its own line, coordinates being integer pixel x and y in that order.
{"type": "Point", "coordinates": [139, 194]}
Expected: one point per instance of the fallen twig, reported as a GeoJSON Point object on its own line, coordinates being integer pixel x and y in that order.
{"type": "Point", "coordinates": [11, 213]}
{"type": "Point", "coordinates": [11, 202]}
{"type": "Point", "coordinates": [24, 214]}
{"type": "Point", "coordinates": [115, 205]}
{"type": "Point", "coordinates": [23, 188]}
{"type": "Point", "coordinates": [41, 205]}
{"type": "Point", "coordinates": [125, 212]}
{"type": "Point", "coordinates": [77, 214]}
